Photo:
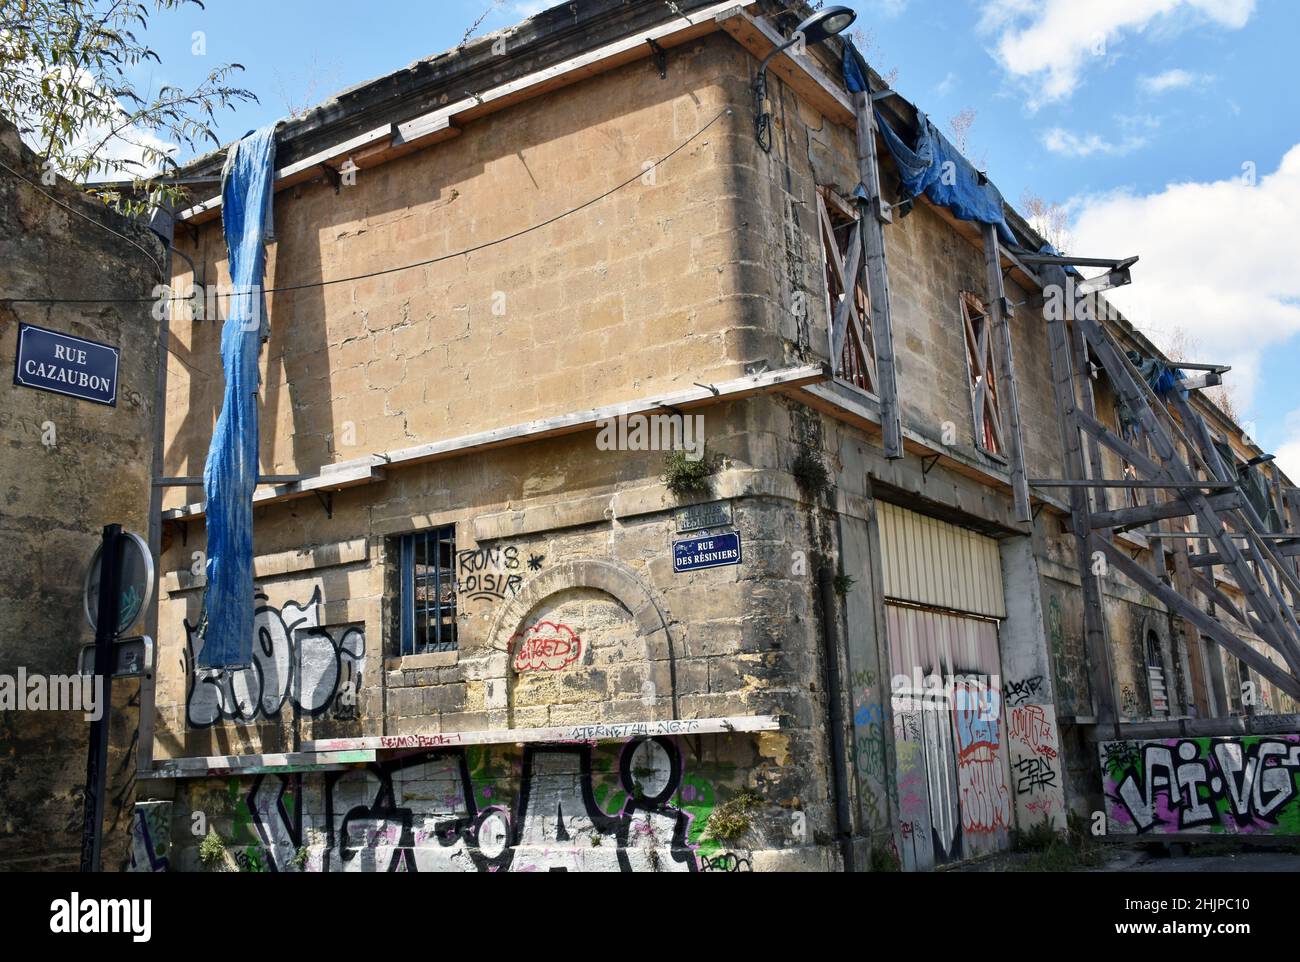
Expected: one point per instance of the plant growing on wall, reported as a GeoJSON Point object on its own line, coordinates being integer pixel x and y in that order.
{"type": "Point", "coordinates": [810, 473]}
{"type": "Point", "coordinates": [686, 477]}
{"type": "Point", "coordinates": [68, 80]}
{"type": "Point", "coordinates": [212, 850]}
{"type": "Point", "coordinates": [733, 818]}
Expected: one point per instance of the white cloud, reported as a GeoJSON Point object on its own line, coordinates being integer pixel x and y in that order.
{"type": "Point", "coordinates": [1217, 262]}
{"type": "Point", "coordinates": [1288, 454]}
{"type": "Point", "coordinates": [946, 85]}
{"type": "Point", "coordinates": [1048, 44]}
{"type": "Point", "coordinates": [889, 9]}
{"type": "Point", "coordinates": [1069, 144]}
{"type": "Point", "coordinates": [1174, 79]}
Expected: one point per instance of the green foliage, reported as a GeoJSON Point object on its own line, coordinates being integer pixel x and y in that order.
{"type": "Point", "coordinates": [810, 473]}
{"type": "Point", "coordinates": [732, 818]}
{"type": "Point", "coordinates": [67, 70]}
{"type": "Point", "coordinates": [843, 584]}
{"type": "Point", "coordinates": [685, 477]}
{"type": "Point", "coordinates": [299, 859]}
{"type": "Point", "coordinates": [1052, 851]}
{"type": "Point", "coordinates": [884, 860]}
{"type": "Point", "coordinates": [212, 850]}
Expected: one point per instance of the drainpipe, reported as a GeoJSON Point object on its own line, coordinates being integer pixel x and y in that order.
{"type": "Point", "coordinates": [164, 226]}
{"type": "Point", "coordinates": [835, 719]}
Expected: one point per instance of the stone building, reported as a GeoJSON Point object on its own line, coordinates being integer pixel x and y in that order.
{"type": "Point", "coordinates": [497, 627]}
{"type": "Point", "coordinates": [68, 467]}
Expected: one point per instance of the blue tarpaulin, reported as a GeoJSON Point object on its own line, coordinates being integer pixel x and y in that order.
{"type": "Point", "coordinates": [933, 166]}
{"type": "Point", "coordinates": [230, 477]}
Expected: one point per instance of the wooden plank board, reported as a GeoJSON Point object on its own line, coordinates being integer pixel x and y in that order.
{"type": "Point", "coordinates": [804, 75]}
{"type": "Point", "coordinates": [877, 271]}
{"type": "Point", "coordinates": [303, 170]}
{"type": "Point", "coordinates": [593, 732]}
{"type": "Point", "coordinates": [369, 470]}
{"type": "Point", "coordinates": [220, 765]}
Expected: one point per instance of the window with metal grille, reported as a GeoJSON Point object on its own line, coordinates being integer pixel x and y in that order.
{"type": "Point", "coordinates": [852, 345]}
{"type": "Point", "coordinates": [427, 593]}
{"type": "Point", "coordinates": [985, 401]}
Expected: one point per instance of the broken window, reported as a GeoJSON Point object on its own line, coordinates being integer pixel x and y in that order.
{"type": "Point", "coordinates": [427, 595]}
{"type": "Point", "coordinates": [852, 345]}
{"type": "Point", "coordinates": [985, 401]}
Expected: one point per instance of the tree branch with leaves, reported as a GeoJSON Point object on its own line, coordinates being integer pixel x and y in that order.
{"type": "Point", "coordinates": [65, 81]}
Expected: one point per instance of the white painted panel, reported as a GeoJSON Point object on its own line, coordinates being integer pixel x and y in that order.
{"type": "Point", "coordinates": [931, 562]}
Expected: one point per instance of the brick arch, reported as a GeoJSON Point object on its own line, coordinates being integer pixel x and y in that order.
{"type": "Point", "coordinates": [609, 577]}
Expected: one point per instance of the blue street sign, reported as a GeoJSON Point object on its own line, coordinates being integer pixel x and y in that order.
{"type": "Point", "coordinates": [711, 552]}
{"type": "Point", "coordinates": [50, 361]}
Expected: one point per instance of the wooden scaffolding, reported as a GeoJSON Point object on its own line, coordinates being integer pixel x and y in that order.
{"type": "Point", "coordinates": [1176, 457]}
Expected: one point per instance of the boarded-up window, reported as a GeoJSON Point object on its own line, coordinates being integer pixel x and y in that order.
{"type": "Point", "coordinates": [852, 345]}
{"type": "Point", "coordinates": [1156, 677]}
{"type": "Point", "coordinates": [985, 401]}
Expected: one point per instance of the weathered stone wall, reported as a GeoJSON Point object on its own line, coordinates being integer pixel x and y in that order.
{"type": "Point", "coordinates": [637, 294]}
{"type": "Point", "coordinates": [67, 468]}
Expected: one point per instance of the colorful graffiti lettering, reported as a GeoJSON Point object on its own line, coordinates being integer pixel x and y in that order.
{"type": "Point", "coordinates": [294, 661]}
{"type": "Point", "coordinates": [1245, 785]}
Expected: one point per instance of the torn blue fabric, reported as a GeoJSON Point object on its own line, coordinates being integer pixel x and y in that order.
{"type": "Point", "coordinates": [936, 168]}
{"type": "Point", "coordinates": [1160, 376]}
{"type": "Point", "coordinates": [230, 477]}
{"type": "Point", "coordinates": [855, 77]}
{"type": "Point", "coordinates": [933, 166]}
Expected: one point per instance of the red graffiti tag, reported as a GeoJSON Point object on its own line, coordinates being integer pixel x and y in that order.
{"type": "Point", "coordinates": [546, 646]}
{"type": "Point", "coordinates": [1029, 726]}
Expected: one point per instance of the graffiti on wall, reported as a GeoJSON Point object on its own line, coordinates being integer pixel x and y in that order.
{"type": "Point", "coordinates": [295, 661]}
{"type": "Point", "coordinates": [985, 799]}
{"type": "Point", "coordinates": [491, 574]}
{"type": "Point", "coordinates": [150, 837]}
{"type": "Point", "coordinates": [1241, 785]}
{"type": "Point", "coordinates": [447, 810]}
{"type": "Point", "coordinates": [545, 646]}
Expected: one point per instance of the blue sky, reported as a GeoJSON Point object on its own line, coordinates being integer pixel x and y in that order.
{"type": "Point", "coordinates": [1159, 126]}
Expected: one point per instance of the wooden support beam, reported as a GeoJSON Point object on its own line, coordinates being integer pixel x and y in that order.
{"type": "Point", "coordinates": [1208, 625]}
{"type": "Point", "coordinates": [1146, 513]}
{"type": "Point", "coordinates": [1100, 671]}
{"type": "Point", "coordinates": [1000, 317]}
{"type": "Point", "coordinates": [800, 72]}
{"type": "Point", "coordinates": [1132, 390]}
{"type": "Point", "coordinates": [1088, 408]}
{"type": "Point", "coordinates": [873, 240]}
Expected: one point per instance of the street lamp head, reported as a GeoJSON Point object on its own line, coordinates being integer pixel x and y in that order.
{"type": "Point", "coordinates": [817, 28]}
{"type": "Point", "coordinates": [825, 23]}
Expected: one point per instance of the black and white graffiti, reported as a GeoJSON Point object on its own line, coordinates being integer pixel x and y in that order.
{"type": "Point", "coordinates": [294, 661]}
{"type": "Point", "coordinates": [419, 814]}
